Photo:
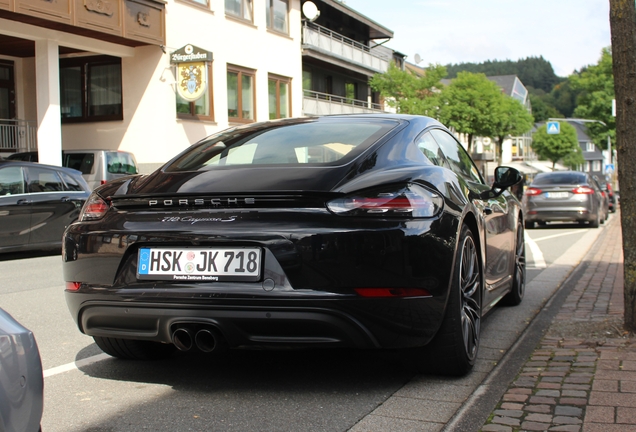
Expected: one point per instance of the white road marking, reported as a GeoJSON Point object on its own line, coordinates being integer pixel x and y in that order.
{"type": "Point", "coordinates": [537, 255]}
{"type": "Point", "coordinates": [581, 232]}
{"type": "Point", "coordinates": [75, 365]}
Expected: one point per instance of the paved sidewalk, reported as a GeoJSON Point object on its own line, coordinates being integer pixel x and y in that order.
{"type": "Point", "coordinates": [582, 375]}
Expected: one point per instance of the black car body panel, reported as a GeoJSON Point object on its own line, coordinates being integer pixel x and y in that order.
{"type": "Point", "coordinates": [37, 203]}
{"type": "Point", "coordinates": [314, 261]}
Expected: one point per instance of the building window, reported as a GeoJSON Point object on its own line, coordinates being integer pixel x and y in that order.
{"type": "Point", "coordinates": [596, 165]}
{"type": "Point", "coordinates": [590, 147]}
{"type": "Point", "coordinates": [91, 89]}
{"type": "Point", "coordinates": [587, 166]}
{"type": "Point", "coordinates": [279, 97]}
{"type": "Point", "coordinates": [240, 95]}
{"type": "Point", "coordinates": [200, 109]}
{"type": "Point", "coordinates": [277, 15]}
{"type": "Point", "coordinates": [239, 8]}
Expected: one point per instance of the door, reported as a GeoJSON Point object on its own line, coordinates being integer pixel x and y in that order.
{"type": "Point", "coordinates": [15, 208]}
{"type": "Point", "coordinates": [8, 132]}
{"type": "Point", "coordinates": [53, 208]}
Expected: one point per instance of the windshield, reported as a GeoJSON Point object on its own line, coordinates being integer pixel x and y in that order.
{"type": "Point", "coordinates": [306, 143]}
{"type": "Point", "coordinates": [570, 178]}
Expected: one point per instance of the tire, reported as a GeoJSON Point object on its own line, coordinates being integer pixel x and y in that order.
{"type": "Point", "coordinates": [515, 296]}
{"type": "Point", "coordinates": [453, 350]}
{"type": "Point", "coordinates": [595, 223]}
{"type": "Point", "coordinates": [528, 224]}
{"type": "Point", "coordinates": [129, 349]}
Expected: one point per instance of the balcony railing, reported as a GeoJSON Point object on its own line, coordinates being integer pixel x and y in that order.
{"type": "Point", "coordinates": [18, 135]}
{"type": "Point", "coordinates": [340, 46]}
{"type": "Point", "coordinates": [315, 103]}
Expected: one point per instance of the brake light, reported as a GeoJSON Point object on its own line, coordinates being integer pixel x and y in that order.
{"type": "Point", "coordinates": [73, 286]}
{"type": "Point", "coordinates": [585, 190]}
{"type": "Point", "coordinates": [531, 191]}
{"type": "Point", "coordinates": [603, 193]}
{"type": "Point", "coordinates": [392, 292]}
{"type": "Point", "coordinates": [411, 200]}
{"type": "Point", "coordinates": [95, 208]}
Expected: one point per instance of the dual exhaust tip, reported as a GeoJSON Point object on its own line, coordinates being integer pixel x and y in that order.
{"type": "Point", "coordinates": [206, 339]}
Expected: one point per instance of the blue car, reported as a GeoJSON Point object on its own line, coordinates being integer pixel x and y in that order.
{"type": "Point", "coordinates": [21, 379]}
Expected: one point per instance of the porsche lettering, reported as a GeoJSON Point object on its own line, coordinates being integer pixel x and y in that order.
{"type": "Point", "coordinates": [216, 202]}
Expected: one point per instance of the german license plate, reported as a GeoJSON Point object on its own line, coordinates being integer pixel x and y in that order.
{"type": "Point", "coordinates": [200, 264]}
{"type": "Point", "coordinates": [557, 194]}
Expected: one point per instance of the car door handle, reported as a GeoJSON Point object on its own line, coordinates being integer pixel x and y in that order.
{"type": "Point", "coordinates": [65, 199]}
{"type": "Point", "coordinates": [24, 202]}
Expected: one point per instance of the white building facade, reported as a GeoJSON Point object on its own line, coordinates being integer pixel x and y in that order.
{"type": "Point", "coordinates": [91, 74]}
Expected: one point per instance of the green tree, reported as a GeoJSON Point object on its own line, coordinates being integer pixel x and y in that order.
{"type": "Point", "coordinates": [469, 105]}
{"type": "Point", "coordinates": [541, 108]}
{"type": "Point", "coordinates": [407, 92]}
{"type": "Point", "coordinates": [511, 118]}
{"type": "Point", "coordinates": [596, 84]}
{"type": "Point", "coordinates": [623, 27]}
{"type": "Point", "coordinates": [555, 147]}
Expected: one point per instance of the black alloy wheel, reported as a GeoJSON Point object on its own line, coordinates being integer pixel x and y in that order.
{"type": "Point", "coordinates": [515, 296]}
{"type": "Point", "coordinates": [453, 350]}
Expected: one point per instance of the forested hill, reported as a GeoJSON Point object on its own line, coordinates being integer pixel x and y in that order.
{"type": "Point", "coordinates": [534, 72]}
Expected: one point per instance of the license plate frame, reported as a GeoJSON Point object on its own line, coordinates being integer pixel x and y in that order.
{"type": "Point", "coordinates": [557, 195]}
{"type": "Point", "coordinates": [200, 264]}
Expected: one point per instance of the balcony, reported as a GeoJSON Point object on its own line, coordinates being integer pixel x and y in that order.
{"type": "Point", "coordinates": [315, 103]}
{"type": "Point", "coordinates": [326, 45]}
{"type": "Point", "coordinates": [17, 136]}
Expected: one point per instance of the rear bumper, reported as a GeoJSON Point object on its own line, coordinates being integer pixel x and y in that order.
{"type": "Point", "coordinates": [582, 215]}
{"type": "Point", "coordinates": [351, 322]}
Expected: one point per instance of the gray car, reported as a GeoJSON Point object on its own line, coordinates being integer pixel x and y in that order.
{"type": "Point", "coordinates": [563, 196]}
{"type": "Point", "coordinates": [21, 379]}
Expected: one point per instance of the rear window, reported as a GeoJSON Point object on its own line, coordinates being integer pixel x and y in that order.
{"type": "Point", "coordinates": [307, 143]}
{"type": "Point", "coordinates": [83, 162]}
{"type": "Point", "coordinates": [120, 163]}
{"type": "Point", "coordinates": [569, 178]}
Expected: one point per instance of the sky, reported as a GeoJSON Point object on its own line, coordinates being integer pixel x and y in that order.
{"type": "Point", "coordinates": [570, 34]}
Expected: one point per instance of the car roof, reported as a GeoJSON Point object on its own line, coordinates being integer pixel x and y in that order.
{"type": "Point", "coordinates": [37, 164]}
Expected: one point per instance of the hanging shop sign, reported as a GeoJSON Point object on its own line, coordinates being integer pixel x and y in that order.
{"type": "Point", "coordinates": [192, 63]}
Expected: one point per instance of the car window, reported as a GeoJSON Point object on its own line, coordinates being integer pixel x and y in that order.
{"type": "Point", "coordinates": [70, 183]}
{"type": "Point", "coordinates": [429, 147]}
{"type": "Point", "coordinates": [43, 180]}
{"type": "Point", "coordinates": [83, 162]}
{"type": "Point", "coordinates": [120, 163]}
{"type": "Point", "coordinates": [457, 156]}
{"type": "Point", "coordinates": [11, 181]}
{"type": "Point", "coordinates": [569, 178]}
{"type": "Point", "coordinates": [290, 144]}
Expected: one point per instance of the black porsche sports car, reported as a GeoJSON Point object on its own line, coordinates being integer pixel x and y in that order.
{"type": "Point", "coordinates": [368, 231]}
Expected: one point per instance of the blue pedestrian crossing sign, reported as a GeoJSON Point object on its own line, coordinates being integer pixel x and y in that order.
{"type": "Point", "coordinates": [553, 127]}
{"type": "Point", "coordinates": [609, 168]}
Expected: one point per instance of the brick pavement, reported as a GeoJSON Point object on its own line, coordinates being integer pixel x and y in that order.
{"type": "Point", "coordinates": [582, 375]}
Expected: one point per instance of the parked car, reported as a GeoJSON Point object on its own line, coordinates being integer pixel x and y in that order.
{"type": "Point", "coordinates": [563, 196]}
{"type": "Point", "coordinates": [97, 166]}
{"type": "Point", "coordinates": [37, 202]}
{"type": "Point", "coordinates": [365, 231]}
{"type": "Point", "coordinates": [606, 186]}
{"type": "Point", "coordinates": [21, 379]}
{"type": "Point", "coordinates": [604, 201]}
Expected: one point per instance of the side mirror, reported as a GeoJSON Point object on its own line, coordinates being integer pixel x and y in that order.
{"type": "Point", "coordinates": [504, 178]}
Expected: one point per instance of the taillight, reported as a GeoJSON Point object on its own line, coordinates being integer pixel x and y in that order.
{"type": "Point", "coordinates": [603, 193]}
{"type": "Point", "coordinates": [94, 208]}
{"type": "Point", "coordinates": [73, 286]}
{"type": "Point", "coordinates": [531, 191]}
{"type": "Point", "coordinates": [585, 190]}
{"type": "Point", "coordinates": [392, 292]}
{"type": "Point", "coordinates": [411, 201]}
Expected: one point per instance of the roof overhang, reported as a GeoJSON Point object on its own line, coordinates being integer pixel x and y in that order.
{"type": "Point", "coordinates": [376, 31]}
